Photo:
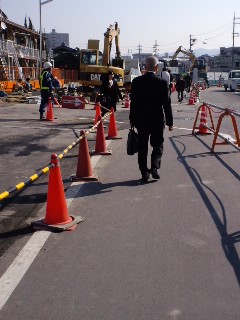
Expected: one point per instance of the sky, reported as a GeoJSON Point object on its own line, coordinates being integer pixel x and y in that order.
{"type": "Point", "coordinates": [166, 24]}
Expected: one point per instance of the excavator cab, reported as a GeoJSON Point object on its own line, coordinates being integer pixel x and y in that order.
{"type": "Point", "coordinates": [90, 57]}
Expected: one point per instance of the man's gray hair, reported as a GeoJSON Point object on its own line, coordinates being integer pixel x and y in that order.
{"type": "Point", "coordinates": [151, 63]}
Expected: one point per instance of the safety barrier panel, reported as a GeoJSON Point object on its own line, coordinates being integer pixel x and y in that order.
{"type": "Point", "coordinates": [46, 169]}
{"type": "Point", "coordinates": [225, 112]}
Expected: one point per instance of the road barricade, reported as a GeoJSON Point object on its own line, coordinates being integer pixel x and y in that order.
{"type": "Point", "coordinates": [204, 128]}
{"type": "Point", "coordinates": [227, 139]}
{"type": "Point", "coordinates": [73, 102]}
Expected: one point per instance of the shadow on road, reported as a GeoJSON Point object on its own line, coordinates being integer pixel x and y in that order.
{"type": "Point", "coordinates": [228, 241]}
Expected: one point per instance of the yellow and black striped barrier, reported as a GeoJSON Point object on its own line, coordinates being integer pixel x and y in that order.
{"type": "Point", "coordinates": [37, 175]}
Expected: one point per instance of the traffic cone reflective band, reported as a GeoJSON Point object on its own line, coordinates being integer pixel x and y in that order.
{"type": "Point", "coordinates": [191, 99]}
{"type": "Point", "coordinates": [98, 112]}
{"type": "Point", "coordinates": [84, 166]}
{"type": "Point", "coordinates": [194, 96]}
{"type": "Point", "coordinates": [112, 130]}
{"type": "Point", "coordinates": [127, 101]}
{"type": "Point", "coordinates": [49, 116]}
{"type": "Point", "coordinates": [57, 217]}
{"type": "Point", "coordinates": [100, 146]}
{"type": "Point", "coordinates": [203, 121]}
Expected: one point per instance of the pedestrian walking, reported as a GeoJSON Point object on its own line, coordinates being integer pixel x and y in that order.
{"type": "Point", "coordinates": [165, 75]}
{"type": "Point", "coordinates": [180, 86]}
{"type": "Point", "coordinates": [188, 81]}
{"type": "Point", "coordinates": [148, 112]}
{"type": "Point", "coordinates": [46, 87]}
{"type": "Point", "coordinates": [171, 81]}
{"type": "Point", "coordinates": [110, 93]}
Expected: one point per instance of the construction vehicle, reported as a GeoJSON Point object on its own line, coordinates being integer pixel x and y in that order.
{"type": "Point", "coordinates": [196, 63]}
{"type": "Point", "coordinates": [131, 71]}
{"type": "Point", "coordinates": [94, 65]}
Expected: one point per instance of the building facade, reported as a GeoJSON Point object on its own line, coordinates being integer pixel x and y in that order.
{"type": "Point", "coordinates": [228, 59]}
{"type": "Point", "coordinates": [19, 51]}
{"type": "Point", "coordinates": [55, 39]}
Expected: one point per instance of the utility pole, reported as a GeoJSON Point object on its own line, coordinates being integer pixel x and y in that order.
{"type": "Point", "coordinates": [139, 51]}
{"type": "Point", "coordinates": [234, 34]}
{"type": "Point", "coordinates": [192, 42]}
{"type": "Point", "coordinates": [155, 47]}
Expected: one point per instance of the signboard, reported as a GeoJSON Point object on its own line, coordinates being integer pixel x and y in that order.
{"type": "Point", "coordinates": [72, 102]}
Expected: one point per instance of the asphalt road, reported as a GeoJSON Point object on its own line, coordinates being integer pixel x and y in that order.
{"type": "Point", "coordinates": [26, 148]}
{"type": "Point", "coordinates": [109, 267]}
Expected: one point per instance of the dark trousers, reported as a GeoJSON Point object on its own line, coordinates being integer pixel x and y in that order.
{"type": "Point", "coordinates": [156, 142]}
{"type": "Point", "coordinates": [180, 95]}
{"type": "Point", "coordinates": [44, 101]}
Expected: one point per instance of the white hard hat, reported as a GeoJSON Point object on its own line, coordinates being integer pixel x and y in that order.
{"type": "Point", "coordinates": [47, 65]}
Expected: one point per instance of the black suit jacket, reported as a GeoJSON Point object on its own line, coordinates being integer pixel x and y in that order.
{"type": "Point", "coordinates": [150, 102]}
{"type": "Point", "coordinates": [112, 92]}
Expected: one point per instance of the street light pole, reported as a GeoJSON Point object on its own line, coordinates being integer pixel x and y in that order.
{"type": "Point", "coordinates": [40, 47]}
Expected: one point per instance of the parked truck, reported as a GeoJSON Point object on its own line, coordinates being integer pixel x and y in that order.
{"type": "Point", "coordinates": [233, 81]}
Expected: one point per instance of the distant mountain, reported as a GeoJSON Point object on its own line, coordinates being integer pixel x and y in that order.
{"type": "Point", "coordinates": [210, 52]}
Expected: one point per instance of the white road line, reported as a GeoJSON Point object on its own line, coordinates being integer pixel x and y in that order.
{"type": "Point", "coordinates": [15, 272]}
{"type": "Point", "coordinates": [11, 278]}
{"type": "Point", "coordinates": [182, 128]}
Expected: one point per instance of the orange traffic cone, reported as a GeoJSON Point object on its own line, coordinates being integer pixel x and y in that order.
{"type": "Point", "coordinates": [100, 146]}
{"type": "Point", "coordinates": [84, 166]}
{"type": "Point", "coordinates": [57, 217]}
{"type": "Point", "coordinates": [203, 121]}
{"type": "Point", "coordinates": [49, 116]}
{"type": "Point", "coordinates": [98, 112]}
{"type": "Point", "coordinates": [112, 130]}
{"type": "Point", "coordinates": [127, 101]}
{"type": "Point", "coordinates": [191, 99]}
{"type": "Point", "coordinates": [194, 97]}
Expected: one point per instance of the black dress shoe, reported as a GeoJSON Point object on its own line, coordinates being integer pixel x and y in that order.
{"type": "Point", "coordinates": [155, 174]}
{"type": "Point", "coordinates": [145, 176]}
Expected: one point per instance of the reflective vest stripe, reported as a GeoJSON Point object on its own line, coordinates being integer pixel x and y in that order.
{"type": "Point", "coordinates": [41, 80]}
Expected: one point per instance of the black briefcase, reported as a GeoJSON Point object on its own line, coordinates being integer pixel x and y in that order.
{"type": "Point", "coordinates": [132, 142]}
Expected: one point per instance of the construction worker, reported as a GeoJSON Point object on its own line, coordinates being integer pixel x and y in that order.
{"type": "Point", "coordinates": [46, 87]}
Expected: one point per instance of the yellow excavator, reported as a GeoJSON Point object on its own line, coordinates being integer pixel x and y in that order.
{"type": "Point", "coordinates": [195, 62]}
{"type": "Point", "coordinates": [94, 65]}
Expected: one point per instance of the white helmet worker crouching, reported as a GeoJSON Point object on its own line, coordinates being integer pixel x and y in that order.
{"type": "Point", "coordinates": [47, 65]}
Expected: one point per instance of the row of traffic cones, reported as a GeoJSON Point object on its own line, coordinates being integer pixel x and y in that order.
{"type": "Point", "coordinates": [193, 97]}
{"type": "Point", "coordinates": [57, 216]}
{"type": "Point", "coordinates": [127, 101]}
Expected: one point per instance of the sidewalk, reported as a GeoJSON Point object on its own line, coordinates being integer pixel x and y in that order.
{"type": "Point", "coordinates": [154, 251]}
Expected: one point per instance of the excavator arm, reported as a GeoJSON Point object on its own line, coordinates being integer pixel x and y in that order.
{"type": "Point", "coordinates": [112, 32]}
{"type": "Point", "coordinates": [191, 56]}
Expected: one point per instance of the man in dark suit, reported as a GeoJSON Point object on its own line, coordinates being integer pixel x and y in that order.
{"type": "Point", "coordinates": [148, 112]}
{"type": "Point", "coordinates": [110, 92]}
